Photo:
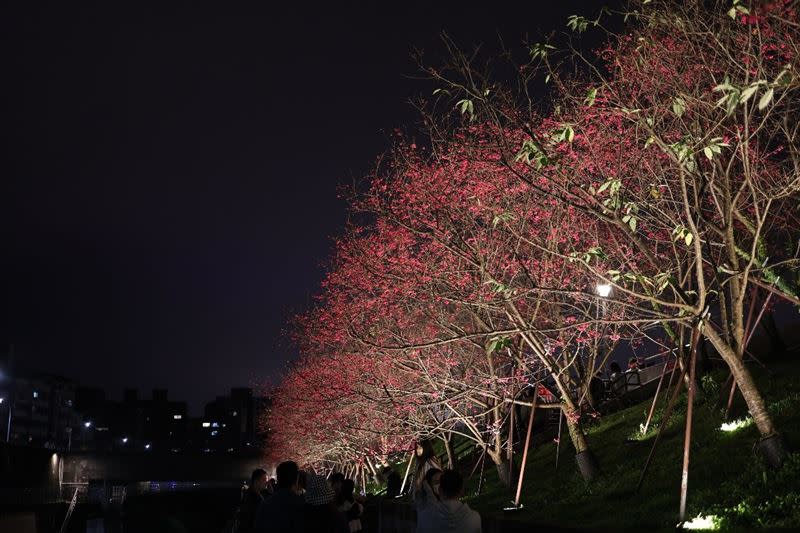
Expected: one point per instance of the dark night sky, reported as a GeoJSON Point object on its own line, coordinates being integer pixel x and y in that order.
{"type": "Point", "coordinates": [168, 192]}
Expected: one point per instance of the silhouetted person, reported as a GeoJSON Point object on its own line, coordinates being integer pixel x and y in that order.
{"type": "Point", "coordinates": [450, 515]}
{"type": "Point", "coordinates": [618, 382]}
{"type": "Point", "coordinates": [426, 460]}
{"type": "Point", "coordinates": [320, 512]}
{"type": "Point", "coordinates": [348, 505]}
{"type": "Point", "coordinates": [283, 510]}
{"type": "Point", "coordinates": [428, 494]}
{"type": "Point", "coordinates": [393, 482]}
{"type": "Point", "coordinates": [251, 499]}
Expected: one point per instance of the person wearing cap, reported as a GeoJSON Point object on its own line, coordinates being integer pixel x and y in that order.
{"type": "Point", "coordinates": [283, 511]}
{"type": "Point", "coordinates": [320, 512]}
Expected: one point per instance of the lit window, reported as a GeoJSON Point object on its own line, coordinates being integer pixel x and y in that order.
{"type": "Point", "coordinates": [206, 424]}
{"type": "Point", "coordinates": [35, 394]}
{"type": "Point", "coordinates": [177, 417]}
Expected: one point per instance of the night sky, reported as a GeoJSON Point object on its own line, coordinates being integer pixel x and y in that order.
{"type": "Point", "coordinates": [169, 189]}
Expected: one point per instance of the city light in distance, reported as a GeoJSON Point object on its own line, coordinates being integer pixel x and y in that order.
{"type": "Point", "coordinates": [124, 440]}
{"type": "Point", "coordinates": [206, 424]}
{"type": "Point", "coordinates": [147, 446]}
{"type": "Point", "coordinates": [87, 424]}
{"type": "Point", "coordinates": [177, 417]}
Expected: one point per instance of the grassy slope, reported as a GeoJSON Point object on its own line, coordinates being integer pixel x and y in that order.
{"type": "Point", "coordinates": [725, 478]}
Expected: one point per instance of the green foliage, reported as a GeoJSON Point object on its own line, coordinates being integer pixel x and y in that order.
{"type": "Point", "coordinates": [540, 50]}
{"type": "Point", "coordinates": [466, 106]}
{"type": "Point", "coordinates": [532, 155]}
{"type": "Point", "coordinates": [577, 23]}
{"type": "Point", "coordinates": [590, 97]}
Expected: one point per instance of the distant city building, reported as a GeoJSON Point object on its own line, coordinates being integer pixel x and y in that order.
{"type": "Point", "coordinates": [229, 423]}
{"type": "Point", "coordinates": [55, 412]}
{"type": "Point", "coordinates": [42, 409]}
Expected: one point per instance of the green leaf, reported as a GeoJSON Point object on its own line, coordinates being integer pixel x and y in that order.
{"type": "Point", "coordinates": [632, 223]}
{"type": "Point", "coordinates": [747, 93]}
{"type": "Point", "coordinates": [732, 13]}
{"type": "Point", "coordinates": [678, 106]}
{"type": "Point", "coordinates": [688, 238]}
{"type": "Point", "coordinates": [590, 97]}
{"type": "Point", "coordinates": [650, 140]}
{"type": "Point", "coordinates": [766, 98]}
{"type": "Point", "coordinates": [709, 154]}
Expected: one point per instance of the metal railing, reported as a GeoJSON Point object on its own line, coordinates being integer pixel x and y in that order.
{"type": "Point", "coordinates": [72, 504]}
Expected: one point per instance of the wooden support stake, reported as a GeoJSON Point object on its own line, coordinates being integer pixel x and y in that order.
{"type": "Point", "coordinates": [510, 454]}
{"type": "Point", "coordinates": [687, 442]}
{"type": "Point", "coordinates": [664, 422]}
{"type": "Point", "coordinates": [525, 451]}
{"type": "Point", "coordinates": [655, 398]}
{"type": "Point", "coordinates": [480, 479]}
{"type": "Point", "coordinates": [558, 442]}
{"type": "Point", "coordinates": [408, 469]}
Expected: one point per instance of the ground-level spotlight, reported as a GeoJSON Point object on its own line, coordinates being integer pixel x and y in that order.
{"type": "Point", "coordinates": [710, 522]}
{"type": "Point", "coordinates": [736, 424]}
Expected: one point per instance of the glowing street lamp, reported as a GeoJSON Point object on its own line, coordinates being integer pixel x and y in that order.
{"type": "Point", "coordinates": [603, 290]}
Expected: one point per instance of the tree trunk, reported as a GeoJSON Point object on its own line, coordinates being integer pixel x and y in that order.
{"type": "Point", "coordinates": [755, 402]}
{"type": "Point", "coordinates": [502, 467]}
{"type": "Point", "coordinates": [587, 463]}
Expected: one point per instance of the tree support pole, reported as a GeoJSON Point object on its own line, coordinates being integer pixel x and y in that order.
{"type": "Point", "coordinates": [408, 469]}
{"type": "Point", "coordinates": [558, 442]}
{"type": "Point", "coordinates": [655, 398]}
{"type": "Point", "coordinates": [687, 441]}
{"type": "Point", "coordinates": [664, 422]}
{"type": "Point", "coordinates": [510, 454]}
{"type": "Point", "coordinates": [525, 451]}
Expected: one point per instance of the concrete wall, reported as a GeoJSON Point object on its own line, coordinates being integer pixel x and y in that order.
{"type": "Point", "coordinates": [84, 467]}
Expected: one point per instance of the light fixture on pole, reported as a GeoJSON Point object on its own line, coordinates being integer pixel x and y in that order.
{"type": "Point", "coordinates": [603, 290]}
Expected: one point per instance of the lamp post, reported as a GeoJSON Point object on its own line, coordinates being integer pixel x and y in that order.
{"type": "Point", "coordinates": [603, 290]}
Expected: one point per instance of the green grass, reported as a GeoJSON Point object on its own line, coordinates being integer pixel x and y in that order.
{"type": "Point", "coordinates": [726, 478]}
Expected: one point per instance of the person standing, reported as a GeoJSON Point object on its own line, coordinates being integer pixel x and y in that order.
{"type": "Point", "coordinates": [450, 514]}
{"type": "Point", "coordinates": [283, 510]}
{"type": "Point", "coordinates": [251, 499]}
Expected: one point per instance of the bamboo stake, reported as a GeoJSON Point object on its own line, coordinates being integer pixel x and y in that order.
{"type": "Point", "coordinates": [525, 451]}
{"type": "Point", "coordinates": [480, 479]}
{"type": "Point", "coordinates": [687, 442]}
{"type": "Point", "coordinates": [477, 463]}
{"type": "Point", "coordinates": [408, 469]}
{"type": "Point", "coordinates": [363, 481]}
{"type": "Point", "coordinates": [511, 446]}
{"type": "Point", "coordinates": [558, 442]}
{"type": "Point", "coordinates": [655, 398]}
{"type": "Point", "coordinates": [664, 422]}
